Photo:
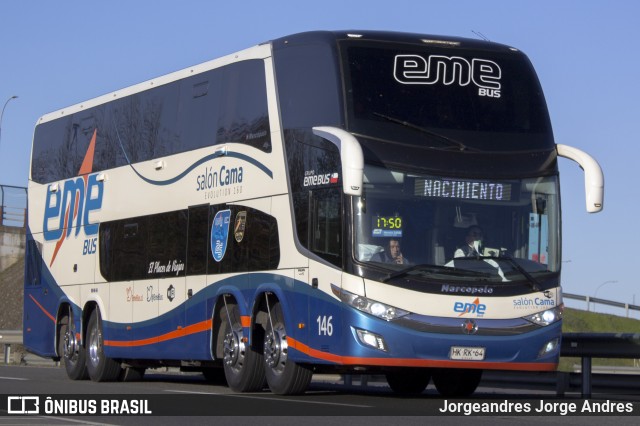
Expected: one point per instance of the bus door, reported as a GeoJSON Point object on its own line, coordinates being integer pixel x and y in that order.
{"type": "Point", "coordinates": [325, 240]}
{"type": "Point", "coordinates": [196, 312]}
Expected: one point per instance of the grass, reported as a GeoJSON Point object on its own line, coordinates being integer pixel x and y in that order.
{"type": "Point", "coordinates": [577, 321]}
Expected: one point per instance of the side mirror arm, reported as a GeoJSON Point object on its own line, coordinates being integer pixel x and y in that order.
{"type": "Point", "coordinates": [351, 157]}
{"type": "Point", "coordinates": [593, 176]}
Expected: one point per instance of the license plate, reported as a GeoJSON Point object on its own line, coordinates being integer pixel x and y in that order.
{"type": "Point", "coordinates": [465, 353]}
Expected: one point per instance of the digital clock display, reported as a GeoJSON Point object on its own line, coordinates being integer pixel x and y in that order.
{"type": "Point", "coordinates": [386, 226]}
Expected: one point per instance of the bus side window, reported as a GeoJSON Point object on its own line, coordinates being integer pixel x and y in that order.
{"type": "Point", "coordinates": [325, 224]}
{"type": "Point", "coordinates": [33, 258]}
{"type": "Point", "coordinates": [252, 242]}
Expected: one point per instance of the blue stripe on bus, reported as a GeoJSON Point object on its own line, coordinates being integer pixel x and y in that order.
{"type": "Point", "coordinates": [215, 155]}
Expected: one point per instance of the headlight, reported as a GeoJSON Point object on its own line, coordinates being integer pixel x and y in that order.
{"type": "Point", "coordinates": [547, 317]}
{"type": "Point", "coordinates": [378, 309]}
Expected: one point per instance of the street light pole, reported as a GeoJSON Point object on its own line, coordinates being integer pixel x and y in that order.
{"type": "Point", "coordinates": [2, 114]}
{"type": "Point", "coordinates": [596, 293]}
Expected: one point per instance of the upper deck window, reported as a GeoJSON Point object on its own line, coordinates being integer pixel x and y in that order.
{"type": "Point", "coordinates": [223, 105]}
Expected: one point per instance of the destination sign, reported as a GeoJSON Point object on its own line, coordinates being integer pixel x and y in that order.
{"type": "Point", "coordinates": [463, 189]}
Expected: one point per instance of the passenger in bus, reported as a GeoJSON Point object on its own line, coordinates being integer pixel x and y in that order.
{"type": "Point", "coordinates": [391, 254]}
{"type": "Point", "coordinates": [473, 241]}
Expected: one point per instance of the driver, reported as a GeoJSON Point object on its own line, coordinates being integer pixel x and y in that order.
{"type": "Point", "coordinates": [473, 241]}
{"type": "Point", "coordinates": [391, 254]}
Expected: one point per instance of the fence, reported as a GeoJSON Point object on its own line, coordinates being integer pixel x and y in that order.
{"type": "Point", "coordinates": [626, 306]}
{"type": "Point", "coordinates": [13, 206]}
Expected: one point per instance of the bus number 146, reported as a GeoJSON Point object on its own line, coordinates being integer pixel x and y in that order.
{"type": "Point", "coordinates": [325, 328]}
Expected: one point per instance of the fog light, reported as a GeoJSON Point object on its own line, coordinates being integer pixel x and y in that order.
{"type": "Point", "coordinates": [373, 340]}
{"type": "Point", "coordinates": [549, 348]}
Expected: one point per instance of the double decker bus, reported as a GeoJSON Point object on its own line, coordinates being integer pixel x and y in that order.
{"type": "Point", "coordinates": [368, 202]}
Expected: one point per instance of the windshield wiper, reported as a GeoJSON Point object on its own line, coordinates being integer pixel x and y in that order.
{"type": "Point", "coordinates": [432, 268]}
{"type": "Point", "coordinates": [533, 283]}
{"type": "Point", "coordinates": [452, 142]}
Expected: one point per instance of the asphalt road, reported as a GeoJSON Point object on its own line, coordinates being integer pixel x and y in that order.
{"type": "Point", "coordinates": [171, 395]}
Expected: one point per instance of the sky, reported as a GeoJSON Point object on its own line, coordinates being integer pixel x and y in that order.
{"type": "Point", "coordinates": [56, 54]}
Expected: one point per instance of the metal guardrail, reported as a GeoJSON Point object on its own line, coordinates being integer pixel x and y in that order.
{"type": "Point", "coordinates": [626, 306]}
{"type": "Point", "coordinates": [9, 337]}
{"type": "Point", "coordinates": [598, 345]}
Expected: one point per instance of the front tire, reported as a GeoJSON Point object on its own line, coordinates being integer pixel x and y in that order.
{"type": "Point", "coordinates": [100, 368]}
{"type": "Point", "coordinates": [409, 382]}
{"type": "Point", "coordinates": [284, 376]}
{"type": "Point", "coordinates": [456, 382]}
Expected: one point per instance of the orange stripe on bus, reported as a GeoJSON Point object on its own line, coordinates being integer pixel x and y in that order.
{"type": "Point", "coordinates": [42, 308]}
{"type": "Point", "coordinates": [245, 321]}
{"type": "Point", "coordinates": [414, 362]}
{"type": "Point", "coordinates": [181, 332]}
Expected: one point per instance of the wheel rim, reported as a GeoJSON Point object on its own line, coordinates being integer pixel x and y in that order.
{"type": "Point", "coordinates": [94, 346]}
{"type": "Point", "coordinates": [276, 348]}
{"type": "Point", "coordinates": [234, 349]}
{"type": "Point", "coordinates": [70, 345]}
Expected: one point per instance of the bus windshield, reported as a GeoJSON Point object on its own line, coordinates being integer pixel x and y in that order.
{"type": "Point", "coordinates": [438, 227]}
{"type": "Point", "coordinates": [490, 100]}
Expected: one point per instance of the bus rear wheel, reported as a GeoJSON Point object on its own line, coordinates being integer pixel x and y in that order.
{"type": "Point", "coordinates": [409, 382]}
{"type": "Point", "coordinates": [243, 367]}
{"type": "Point", "coordinates": [456, 382]}
{"type": "Point", "coordinates": [100, 368]}
{"type": "Point", "coordinates": [72, 353]}
{"type": "Point", "coordinates": [284, 376]}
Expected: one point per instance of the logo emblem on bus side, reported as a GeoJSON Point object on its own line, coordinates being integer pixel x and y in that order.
{"type": "Point", "coordinates": [219, 234]}
{"type": "Point", "coordinates": [73, 204]}
{"type": "Point", "coordinates": [469, 327]}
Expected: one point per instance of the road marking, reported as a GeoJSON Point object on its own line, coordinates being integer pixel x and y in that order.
{"type": "Point", "coordinates": [13, 378]}
{"type": "Point", "coordinates": [269, 399]}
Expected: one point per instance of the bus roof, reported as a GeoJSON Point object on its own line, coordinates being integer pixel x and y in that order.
{"type": "Point", "coordinates": [392, 36]}
{"type": "Point", "coordinates": [263, 50]}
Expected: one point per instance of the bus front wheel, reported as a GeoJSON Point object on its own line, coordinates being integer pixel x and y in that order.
{"type": "Point", "coordinates": [456, 382]}
{"type": "Point", "coordinates": [409, 382]}
{"type": "Point", "coordinates": [284, 376]}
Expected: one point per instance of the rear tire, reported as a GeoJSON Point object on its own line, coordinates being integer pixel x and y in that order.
{"type": "Point", "coordinates": [72, 353]}
{"type": "Point", "coordinates": [456, 382]}
{"type": "Point", "coordinates": [284, 376]}
{"type": "Point", "coordinates": [243, 367]}
{"type": "Point", "coordinates": [100, 368]}
{"type": "Point", "coordinates": [410, 382]}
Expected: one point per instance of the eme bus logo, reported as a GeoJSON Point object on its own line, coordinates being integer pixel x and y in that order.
{"type": "Point", "coordinates": [474, 308]}
{"type": "Point", "coordinates": [69, 205]}
{"type": "Point", "coordinates": [447, 70]}
{"type": "Point", "coordinates": [72, 207]}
